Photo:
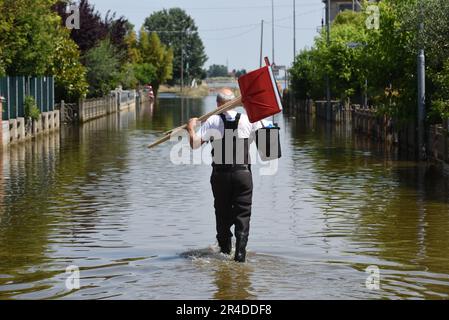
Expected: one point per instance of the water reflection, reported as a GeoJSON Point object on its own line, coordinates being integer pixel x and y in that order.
{"type": "Point", "coordinates": [24, 230]}
{"type": "Point", "coordinates": [229, 280]}
{"type": "Point", "coordinates": [391, 212]}
{"type": "Point", "coordinates": [95, 197]}
{"type": "Point", "coordinates": [233, 282]}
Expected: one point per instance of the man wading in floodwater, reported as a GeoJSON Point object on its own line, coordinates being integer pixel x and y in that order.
{"type": "Point", "coordinates": [232, 183]}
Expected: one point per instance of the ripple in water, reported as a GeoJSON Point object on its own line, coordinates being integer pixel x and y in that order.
{"type": "Point", "coordinates": [138, 226]}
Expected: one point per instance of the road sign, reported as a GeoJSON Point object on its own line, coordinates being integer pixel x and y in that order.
{"type": "Point", "coordinates": [276, 69]}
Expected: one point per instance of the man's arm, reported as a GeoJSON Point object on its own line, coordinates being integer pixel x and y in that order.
{"type": "Point", "coordinates": [195, 140]}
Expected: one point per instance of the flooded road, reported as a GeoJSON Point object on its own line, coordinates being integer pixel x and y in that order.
{"type": "Point", "coordinates": [140, 227]}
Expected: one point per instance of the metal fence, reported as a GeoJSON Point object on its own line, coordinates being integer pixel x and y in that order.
{"type": "Point", "coordinates": [15, 89]}
{"type": "Point", "coordinates": [127, 96]}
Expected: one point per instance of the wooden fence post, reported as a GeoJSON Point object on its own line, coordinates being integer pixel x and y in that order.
{"type": "Point", "coordinates": [62, 116]}
{"type": "Point", "coordinates": [81, 110]}
{"type": "Point", "coordinates": [445, 138]}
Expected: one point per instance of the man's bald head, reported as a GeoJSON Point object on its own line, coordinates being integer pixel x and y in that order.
{"type": "Point", "coordinates": [224, 95]}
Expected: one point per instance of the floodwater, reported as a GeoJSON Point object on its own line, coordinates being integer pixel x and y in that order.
{"type": "Point", "coordinates": [141, 227]}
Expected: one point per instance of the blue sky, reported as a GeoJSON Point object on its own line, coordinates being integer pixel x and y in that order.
{"type": "Point", "coordinates": [231, 29]}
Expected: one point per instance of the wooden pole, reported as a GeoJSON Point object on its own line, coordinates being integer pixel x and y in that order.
{"type": "Point", "coordinates": [261, 44]}
{"type": "Point", "coordinates": [226, 107]}
{"type": "Point", "coordinates": [182, 62]}
{"type": "Point", "coordinates": [328, 35]}
{"type": "Point", "coordinates": [294, 30]}
{"type": "Point", "coordinates": [272, 31]}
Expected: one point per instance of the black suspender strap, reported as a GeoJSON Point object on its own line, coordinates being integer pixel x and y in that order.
{"type": "Point", "coordinates": [237, 119]}
{"type": "Point", "coordinates": [231, 125]}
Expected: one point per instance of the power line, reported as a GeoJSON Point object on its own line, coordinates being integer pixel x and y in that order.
{"type": "Point", "coordinates": [252, 26]}
{"type": "Point", "coordinates": [234, 36]}
{"type": "Point", "coordinates": [171, 31]}
{"type": "Point", "coordinates": [297, 15]}
{"type": "Point", "coordinates": [289, 27]}
{"type": "Point", "coordinates": [240, 26]}
{"type": "Point", "coordinates": [236, 7]}
{"type": "Point", "coordinates": [230, 28]}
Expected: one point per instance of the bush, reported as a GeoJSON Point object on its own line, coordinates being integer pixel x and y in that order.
{"type": "Point", "coordinates": [145, 73]}
{"type": "Point", "coordinates": [31, 110]}
{"type": "Point", "coordinates": [103, 69]}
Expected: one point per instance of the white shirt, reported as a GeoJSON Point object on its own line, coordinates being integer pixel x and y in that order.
{"type": "Point", "coordinates": [214, 126]}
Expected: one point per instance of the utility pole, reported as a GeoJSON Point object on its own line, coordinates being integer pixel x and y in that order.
{"type": "Point", "coordinates": [328, 89]}
{"type": "Point", "coordinates": [182, 61]}
{"type": "Point", "coordinates": [294, 29]}
{"type": "Point", "coordinates": [272, 31]}
{"type": "Point", "coordinates": [421, 89]}
{"type": "Point", "coordinates": [261, 44]}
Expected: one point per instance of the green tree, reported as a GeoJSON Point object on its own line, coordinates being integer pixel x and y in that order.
{"type": "Point", "coordinates": [216, 70]}
{"type": "Point", "coordinates": [356, 53]}
{"type": "Point", "coordinates": [158, 55]}
{"type": "Point", "coordinates": [70, 74]}
{"type": "Point", "coordinates": [342, 60]}
{"type": "Point", "coordinates": [391, 65]}
{"type": "Point", "coordinates": [29, 28]}
{"type": "Point", "coordinates": [31, 110]}
{"type": "Point", "coordinates": [177, 30]}
{"type": "Point", "coordinates": [132, 42]}
{"type": "Point", "coordinates": [2, 64]}
{"type": "Point", "coordinates": [5, 26]}
{"type": "Point", "coordinates": [34, 42]}
{"type": "Point", "coordinates": [103, 67]}
{"type": "Point", "coordinates": [240, 73]}
{"type": "Point", "coordinates": [440, 98]}
{"type": "Point", "coordinates": [342, 63]}
{"type": "Point", "coordinates": [305, 77]}
{"type": "Point", "coordinates": [128, 78]}
{"type": "Point", "coordinates": [433, 14]}
{"type": "Point", "coordinates": [145, 73]}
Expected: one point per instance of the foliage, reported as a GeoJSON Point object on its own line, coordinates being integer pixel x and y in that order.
{"type": "Point", "coordinates": [118, 30]}
{"type": "Point", "coordinates": [70, 74]}
{"type": "Point", "coordinates": [183, 38]}
{"type": "Point", "coordinates": [304, 80]}
{"type": "Point", "coordinates": [145, 73]}
{"type": "Point", "coordinates": [28, 28]}
{"type": "Point", "coordinates": [440, 102]}
{"type": "Point", "coordinates": [2, 64]}
{"type": "Point", "coordinates": [92, 60]}
{"type": "Point", "coordinates": [239, 73]}
{"type": "Point", "coordinates": [127, 77]}
{"type": "Point", "coordinates": [103, 67]}
{"type": "Point", "coordinates": [217, 71]}
{"type": "Point", "coordinates": [133, 52]}
{"type": "Point", "coordinates": [158, 55]}
{"type": "Point", "coordinates": [33, 42]}
{"type": "Point", "coordinates": [342, 63]}
{"type": "Point", "coordinates": [4, 28]}
{"type": "Point", "coordinates": [391, 63]}
{"type": "Point", "coordinates": [433, 14]}
{"type": "Point", "coordinates": [92, 27]}
{"type": "Point", "coordinates": [31, 109]}
{"type": "Point", "coordinates": [385, 58]}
